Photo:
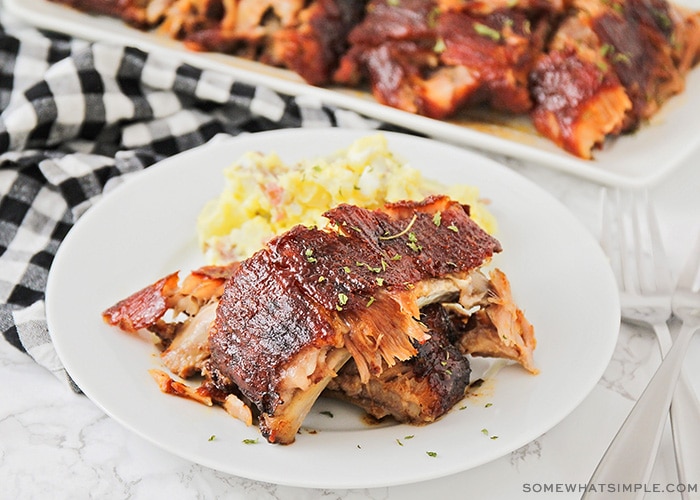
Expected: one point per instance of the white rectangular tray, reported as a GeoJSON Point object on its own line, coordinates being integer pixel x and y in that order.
{"type": "Point", "coordinates": [636, 160]}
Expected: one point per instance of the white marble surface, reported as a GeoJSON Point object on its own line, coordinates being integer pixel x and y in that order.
{"type": "Point", "coordinates": [59, 445]}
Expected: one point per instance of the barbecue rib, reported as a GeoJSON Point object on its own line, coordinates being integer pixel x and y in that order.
{"type": "Point", "coordinates": [313, 298]}
{"type": "Point", "coordinates": [609, 67]}
{"type": "Point", "coordinates": [584, 70]}
{"type": "Point", "coordinates": [307, 37]}
{"type": "Point", "coordinates": [434, 58]}
{"type": "Point", "coordinates": [391, 290]}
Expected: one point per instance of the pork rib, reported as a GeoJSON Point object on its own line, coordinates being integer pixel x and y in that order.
{"type": "Point", "coordinates": [390, 293]}
{"type": "Point", "coordinates": [609, 67]}
{"type": "Point", "coordinates": [350, 290]}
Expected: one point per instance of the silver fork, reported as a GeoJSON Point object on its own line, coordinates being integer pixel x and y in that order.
{"type": "Point", "coordinates": [632, 241]}
{"type": "Point", "coordinates": [630, 456]}
{"type": "Point", "coordinates": [686, 307]}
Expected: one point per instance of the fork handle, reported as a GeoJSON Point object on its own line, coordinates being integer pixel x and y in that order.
{"type": "Point", "coordinates": [630, 457]}
{"type": "Point", "coordinates": [685, 418]}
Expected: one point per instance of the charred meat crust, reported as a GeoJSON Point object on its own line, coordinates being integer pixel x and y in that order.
{"type": "Point", "coordinates": [310, 286]}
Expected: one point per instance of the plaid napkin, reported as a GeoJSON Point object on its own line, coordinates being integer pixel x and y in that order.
{"type": "Point", "coordinates": [76, 117]}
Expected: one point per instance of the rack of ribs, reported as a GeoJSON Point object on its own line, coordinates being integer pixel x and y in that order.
{"type": "Point", "coordinates": [376, 297]}
{"type": "Point", "coordinates": [305, 37]}
{"type": "Point", "coordinates": [583, 70]}
{"type": "Point", "coordinates": [610, 66]}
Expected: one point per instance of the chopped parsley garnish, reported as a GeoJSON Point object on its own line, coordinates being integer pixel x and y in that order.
{"type": "Point", "coordinates": [431, 453]}
{"type": "Point", "coordinates": [433, 17]}
{"type": "Point", "coordinates": [370, 268]}
{"type": "Point", "coordinates": [487, 31]}
{"type": "Point", "coordinates": [413, 243]}
{"type": "Point", "coordinates": [623, 58]}
{"type": "Point", "coordinates": [454, 228]}
{"type": "Point", "coordinates": [250, 441]}
{"type": "Point", "coordinates": [606, 49]}
{"type": "Point", "coordinates": [439, 46]}
{"type": "Point", "coordinates": [309, 253]}
{"type": "Point", "coordinates": [212, 437]}
{"type": "Point", "coordinates": [485, 432]}
{"type": "Point", "coordinates": [437, 218]}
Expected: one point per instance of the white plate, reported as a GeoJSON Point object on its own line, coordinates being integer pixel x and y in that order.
{"type": "Point", "coordinates": [641, 159]}
{"type": "Point", "coordinates": [145, 229]}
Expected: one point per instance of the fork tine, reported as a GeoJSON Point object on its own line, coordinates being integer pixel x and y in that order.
{"type": "Point", "coordinates": [631, 238]}
{"type": "Point", "coordinates": [610, 235]}
{"type": "Point", "coordinates": [689, 278]}
{"type": "Point", "coordinates": [664, 281]}
{"type": "Point", "coordinates": [654, 275]}
{"type": "Point", "coordinates": [628, 235]}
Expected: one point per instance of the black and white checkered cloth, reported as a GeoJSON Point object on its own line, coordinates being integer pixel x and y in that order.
{"type": "Point", "coordinates": [75, 118]}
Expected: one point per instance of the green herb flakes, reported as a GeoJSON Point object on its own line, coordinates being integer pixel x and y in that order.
{"type": "Point", "coordinates": [413, 243]}
{"type": "Point", "coordinates": [487, 32]}
{"type": "Point", "coordinates": [370, 268]}
{"type": "Point", "coordinates": [309, 253]}
{"type": "Point", "coordinates": [439, 46]}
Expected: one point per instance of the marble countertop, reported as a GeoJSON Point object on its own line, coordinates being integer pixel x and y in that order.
{"type": "Point", "coordinates": [57, 444]}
